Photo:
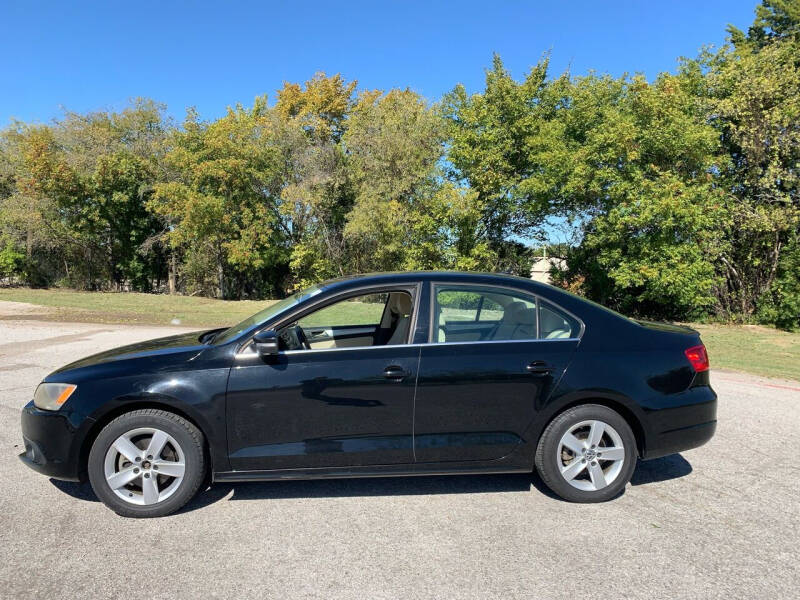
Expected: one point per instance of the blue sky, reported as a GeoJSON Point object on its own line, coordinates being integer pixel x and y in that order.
{"type": "Point", "coordinates": [86, 56]}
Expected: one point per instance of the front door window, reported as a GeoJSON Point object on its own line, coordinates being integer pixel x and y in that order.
{"type": "Point", "coordinates": [374, 319]}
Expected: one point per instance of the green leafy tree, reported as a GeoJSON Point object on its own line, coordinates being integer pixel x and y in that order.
{"type": "Point", "coordinates": [500, 145]}
{"type": "Point", "coordinates": [775, 20]}
{"type": "Point", "coordinates": [11, 259]}
{"type": "Point", "coordinates": [754, 103]}
{"type": "Point", "coordinates": [629, 162]}
{"type": "Point", "coordinates": [222, 209]}
{"type": "Point", "coordinates": [398, 220]}
{"type": "Point", "coordinates": [80, 188]}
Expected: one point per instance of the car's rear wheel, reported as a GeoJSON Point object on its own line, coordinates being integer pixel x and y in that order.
{"type": "Point", "coordinates": [147, 463]}
{"type": "Point", "coordinates": [587, 454]}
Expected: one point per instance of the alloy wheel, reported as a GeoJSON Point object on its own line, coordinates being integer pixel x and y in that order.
{"type": "Point", "coordinates": [590, 455]}
{"type": "Point", "coordinates": [144, 466]}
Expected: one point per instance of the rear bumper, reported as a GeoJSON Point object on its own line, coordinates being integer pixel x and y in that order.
{"type": "Point", "coordinates": [688, 421]}
{"type": "Point", "coordinates": [51, 443]}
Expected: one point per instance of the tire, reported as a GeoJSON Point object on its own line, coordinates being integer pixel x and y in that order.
{"type": "Point", "coordinates": [587, 454]}
{"type": "Point", "coordinates": [129, 481]}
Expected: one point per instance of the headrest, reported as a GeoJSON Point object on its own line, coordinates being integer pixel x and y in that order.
{"type": "Point", "coordinates": [400, 303]}
{"type": "Point", "coordinates": [516, 312]}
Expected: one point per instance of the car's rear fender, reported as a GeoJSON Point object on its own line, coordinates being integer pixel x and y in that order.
{"type": "Point", "coordinates": [654, 390]}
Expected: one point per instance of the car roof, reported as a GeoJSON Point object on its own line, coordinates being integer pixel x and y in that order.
{"type": "Point", "coordinates": [392, 277]}
{"type": "Point", "coordinates": [577, 305]}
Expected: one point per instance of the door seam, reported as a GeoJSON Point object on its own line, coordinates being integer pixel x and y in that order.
{"type": "Point", "coordinates": [414, 409]}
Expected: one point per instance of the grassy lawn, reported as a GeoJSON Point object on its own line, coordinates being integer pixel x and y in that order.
{"type": "Point", "coordinates": [142, 309]}
{"type": "Point", "coordinates": [754, 349]}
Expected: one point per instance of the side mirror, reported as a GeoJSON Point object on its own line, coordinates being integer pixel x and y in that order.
{"type": "Point", "coordinates": [266, 342]}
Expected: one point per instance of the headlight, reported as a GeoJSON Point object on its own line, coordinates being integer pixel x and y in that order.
{"type": "Point", "coordinates": [50, 396]}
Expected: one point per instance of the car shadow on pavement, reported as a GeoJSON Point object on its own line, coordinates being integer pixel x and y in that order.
{"type": "Point", "coordinates": [652, 471]}
{"type": "Point", "coordinates": [81, 491]}
{"type": "Point", "coordinates": [337, 488]}
{"type": "Point", "coordinates": [661, 469]}
{"type": "Point", "coordinates": [373, 486]}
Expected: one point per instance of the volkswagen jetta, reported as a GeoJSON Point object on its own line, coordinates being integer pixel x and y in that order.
{"type": "Point", "coordinates": [379, 375]}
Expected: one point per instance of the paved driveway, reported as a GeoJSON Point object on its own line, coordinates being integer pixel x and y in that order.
{"type": "Point", "coordinates": [719, 521]}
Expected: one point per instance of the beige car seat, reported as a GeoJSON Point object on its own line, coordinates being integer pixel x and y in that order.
{"type": "Point", "coordinates": [397, 318]}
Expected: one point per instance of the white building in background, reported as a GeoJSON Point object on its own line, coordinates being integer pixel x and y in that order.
{"type": "Point", "coordinates": [540, 271]}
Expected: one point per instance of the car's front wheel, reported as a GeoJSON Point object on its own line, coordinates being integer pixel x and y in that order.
{"type": "Point", "coordinates": [587, 454]}
{"type": "Point", "coordinates": [147, 463]}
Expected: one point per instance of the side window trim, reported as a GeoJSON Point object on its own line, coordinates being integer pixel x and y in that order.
{"type": "Point", "coordinates": [433, 326]}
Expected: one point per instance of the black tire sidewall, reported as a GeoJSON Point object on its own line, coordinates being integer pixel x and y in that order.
{"type": "Point", "coordinates": [184, 432]}
{"type": "Point", "coordinates": [546, 452]}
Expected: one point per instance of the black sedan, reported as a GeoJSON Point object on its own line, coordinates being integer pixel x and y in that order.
{"type": "Point", "coordinates": [379, 375]}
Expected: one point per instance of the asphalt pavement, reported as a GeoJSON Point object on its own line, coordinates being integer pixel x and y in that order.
{"type": "Point", "coordinates": [721, 521]}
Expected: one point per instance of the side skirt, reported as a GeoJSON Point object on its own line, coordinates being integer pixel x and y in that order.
{"type": "Point", "coordinates": [371, 471]}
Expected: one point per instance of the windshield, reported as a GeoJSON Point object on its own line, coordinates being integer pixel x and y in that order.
{"type": "Point", "coordinates": [266, 314]}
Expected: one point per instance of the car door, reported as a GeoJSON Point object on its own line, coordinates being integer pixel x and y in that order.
{"type": "Point", "coordinates": [475, 398]}
{"type": "Point", "coordinates": [330, 406]}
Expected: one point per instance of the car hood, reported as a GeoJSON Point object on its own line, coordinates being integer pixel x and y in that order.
{"type": "Point", "coordinates": [184, 342]}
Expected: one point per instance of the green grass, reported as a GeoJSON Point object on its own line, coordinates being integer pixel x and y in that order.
{"type": "Point", "coordinates": [130, 308]}
{"type": "Point", "coordinates": [750, 348]}
{"type": "Point", "coordinates": [348, 312]}
{"type": "Point", "coordinates": [753, 349]}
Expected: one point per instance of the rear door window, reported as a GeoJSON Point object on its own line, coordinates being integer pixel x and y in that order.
{"type": "Point", "coordinates": [468, 314]}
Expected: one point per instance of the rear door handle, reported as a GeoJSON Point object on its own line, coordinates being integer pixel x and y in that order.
{"type": "Point", "coordinates": [394, 372]}
{"type": "Point", "coordinates": [539, 367]}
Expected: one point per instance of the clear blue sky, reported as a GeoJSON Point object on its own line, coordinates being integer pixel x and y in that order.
{"type": "Point", "coordinates": [212, 54]}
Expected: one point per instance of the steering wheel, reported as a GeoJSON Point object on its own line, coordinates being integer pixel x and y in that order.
{"type": "Point", "coordinates": [301, 337]}
{"type": "Point", "coordinates": [294, 338]}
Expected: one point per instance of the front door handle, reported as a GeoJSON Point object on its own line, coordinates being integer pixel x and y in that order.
{"type": "Point", "coordinates": [539, 367]}
{"type": "Point", "coordinates": [394, 372]}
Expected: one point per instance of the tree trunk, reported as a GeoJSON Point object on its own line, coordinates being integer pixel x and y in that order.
{"type": "Point", "coordinates": [173, 275]}
{"type": "Point", "coordinates": [220, 278]}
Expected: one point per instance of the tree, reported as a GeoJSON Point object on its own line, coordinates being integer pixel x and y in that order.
{"type": "Point", "coordinates": [80, 187]}
{"type": "Point", "coordinates": [497, 147]}
{"type": "Point", "coordinates": [627, 161]}
{"type": "Point", "coordinates": [394, 142]}
{"type": "Point", "coordinates": [318, 192]}
{"type": "Point", "coordinates": [754, 103]}
{"type": "Point", "coordinates": [321, 106]}
{"type": "Point", "coordinates": [11, 259]}
{"type": "Point", "coordinates": [775, 20]}
{"type": "Point", "coordinates": [223, 208]}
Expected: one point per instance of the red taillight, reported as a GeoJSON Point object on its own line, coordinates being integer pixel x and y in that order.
{"type": "Point", "coordinates": [698, 356]}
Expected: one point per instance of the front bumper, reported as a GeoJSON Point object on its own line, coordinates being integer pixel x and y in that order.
{"type": "Point", "coordinates": [52, 444]}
